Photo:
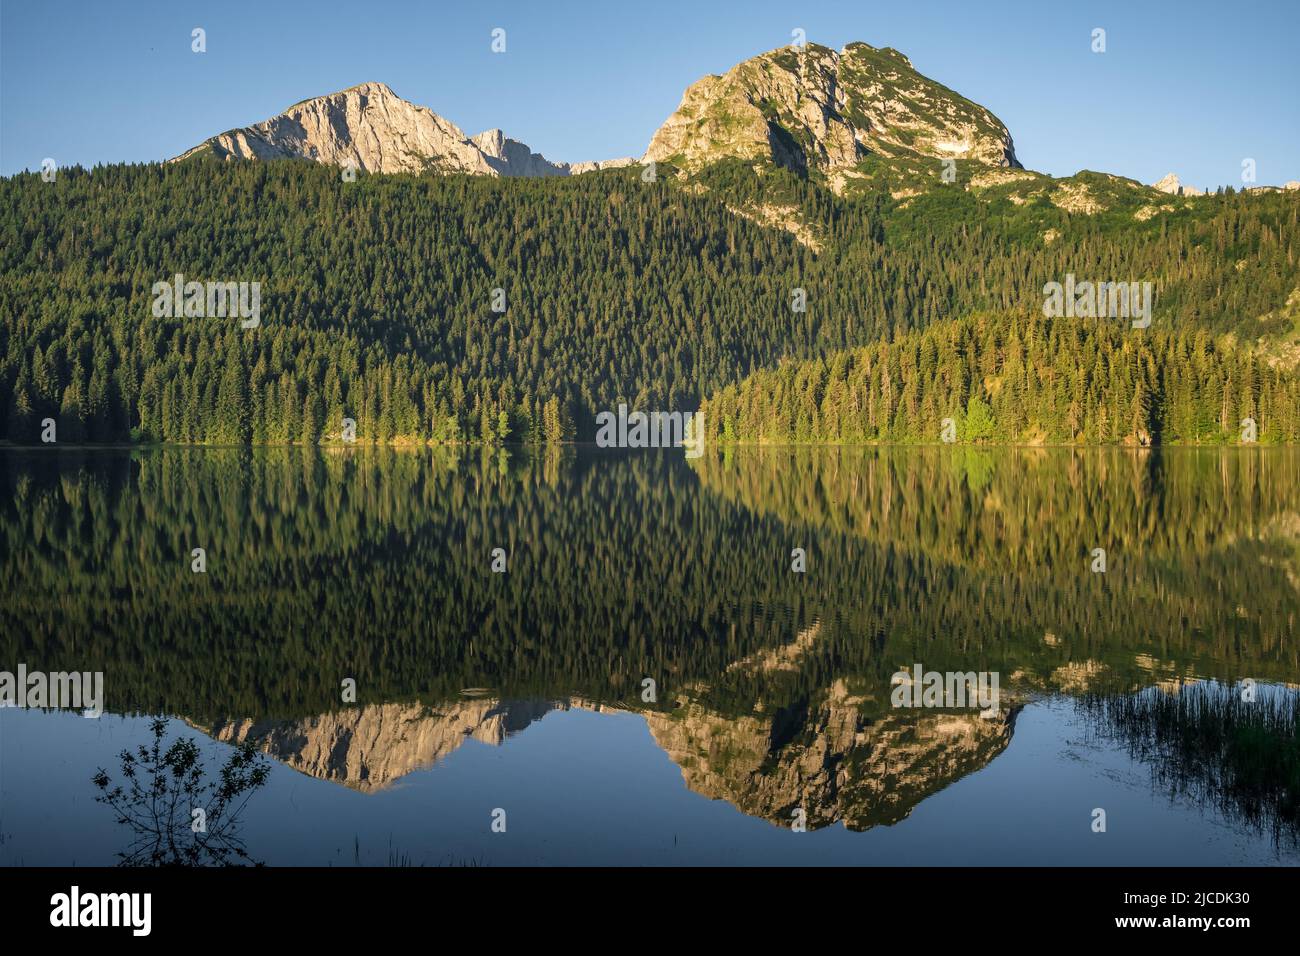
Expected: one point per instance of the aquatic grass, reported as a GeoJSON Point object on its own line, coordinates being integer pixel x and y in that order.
{"type": "Point", "coordinates": [400, 858]}
{"type": "Point", "coordinates": [1206, 742]}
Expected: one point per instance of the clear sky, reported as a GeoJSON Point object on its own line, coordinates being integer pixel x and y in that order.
{"type": "Point", "coordinates": [1190, 87]}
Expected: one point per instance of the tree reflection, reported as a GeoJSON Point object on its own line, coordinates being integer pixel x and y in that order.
{"type": "Point", "coordinates": [178, 817]}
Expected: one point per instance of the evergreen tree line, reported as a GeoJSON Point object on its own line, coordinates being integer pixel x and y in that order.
{"type": "Point", "coordinates": [376, 564]}
{"type": "Point", "coordinates": [378, 299]}
{"type": "Point", "coordinates": [1030, 379]}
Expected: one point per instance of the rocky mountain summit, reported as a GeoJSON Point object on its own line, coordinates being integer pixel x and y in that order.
{"type": "Point", "coordinates": [862, 117]}
{"type": "Point", "coordinates": [1172, 185]}
{"type": "Point", "coordinates": [811, 108]}
{"type": "Point", "coordinates": [840, 766]}
{"type": "Point", "coordinates": [369, 748]}
{"type": "Point", "coordinates": [373, 128]}
{"type": "Point", "coordinates": [807, 108]}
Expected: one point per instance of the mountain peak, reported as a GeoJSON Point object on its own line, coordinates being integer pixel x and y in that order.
{"type": "Point", "coordinates": [374, 86]}
{"type": "Point", "coordinates": [509, 157]}
{"type": "Point", "coordinates": [858, 46]}
{"type": "Point", "coordinates": [812, 108]}
{"type": "Point", "coordinates": [372, 128]}
{"type": "Point", "coordinates": [1172, 184]}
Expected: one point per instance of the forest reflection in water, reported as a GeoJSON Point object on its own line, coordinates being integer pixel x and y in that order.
{"type": "Point", "coordinates": [771, 688]}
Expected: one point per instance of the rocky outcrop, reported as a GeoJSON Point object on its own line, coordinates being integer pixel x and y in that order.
{"type": "Point", "coordinates": [372, 128]}
{"type": "Point", "coordinates": [811, 108]}
{"type": "Point", "coordinates": [510, 157]}
{"type": "Point", "coordinates": [830, 760]}
{"type": "Point", "coordinates": [1171, 184]}
{"type": "Point", "coordinates": [784, 657]}
{"type": "Point", "coordinates": [838, 766]}
{"type": "Point", "coordinates": [577, 169]}
{"type": "Point", "coordinates": [1288, 186]}
{"type": "Point", "coordinates": [367, 748]}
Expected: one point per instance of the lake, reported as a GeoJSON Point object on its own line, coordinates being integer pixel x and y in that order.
{"type": "Point", "coordinates": [570, 655]}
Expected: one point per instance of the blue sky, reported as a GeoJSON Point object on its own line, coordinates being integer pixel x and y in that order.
{"type": "Point", "coordinates": [1190, 87]}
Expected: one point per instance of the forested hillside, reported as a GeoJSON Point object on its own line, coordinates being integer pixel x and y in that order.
{"type": "Point", "coordinates": [1002, 378]}
{"type": "Point", "coordinates": [377, 297]}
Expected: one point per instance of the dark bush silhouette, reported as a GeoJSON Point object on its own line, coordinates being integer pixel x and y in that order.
{"type": "Point", "coordinates": [162, 790]}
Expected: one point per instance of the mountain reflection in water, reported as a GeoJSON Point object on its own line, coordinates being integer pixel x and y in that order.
{"type": "Point", "coordinates": [771, 688]}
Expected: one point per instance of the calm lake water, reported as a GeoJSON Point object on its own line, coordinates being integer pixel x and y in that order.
{"type": "Point", "coordinates": [1161, 691]}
